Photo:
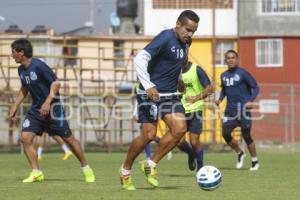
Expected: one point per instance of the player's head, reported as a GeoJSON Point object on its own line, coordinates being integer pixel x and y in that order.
{"type": "Point", "coordinates": [186, 25]}
{"type": "Point", "coordinates": [231, 58]}
{"type": "Point", "coordinates": [21, 49]}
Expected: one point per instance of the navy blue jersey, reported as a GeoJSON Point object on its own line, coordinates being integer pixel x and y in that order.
{"type": "Point", "coordinates": [167, 55]}
{"type": "Point", "coordinates": [37, 79]}
{"type": "Point", "coordinates": [239, 87]}
{"type": "Point", "coordinates": [203, 78]}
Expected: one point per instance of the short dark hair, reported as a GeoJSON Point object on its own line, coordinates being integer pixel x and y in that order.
{"type": "Point", "coordinates": [188, 14]}
{"type": "Point", "coordinates": [23, 45]}
{"type": "Point", "coordinates": [232, 51]}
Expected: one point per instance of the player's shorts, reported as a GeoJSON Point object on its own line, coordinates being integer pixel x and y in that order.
{"type": "Point", "coordinates": [194, 122]}
{"type": "Point", "coordinates": [149, 111]}
{"type": "Point", "coordinates": [234, 120]}
{"type": "Point", "coordinates": [54, 124]}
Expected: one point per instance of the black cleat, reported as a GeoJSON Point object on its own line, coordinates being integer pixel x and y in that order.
{"type": "Point", "coordinates": [192, 163]}
{"type": "Point", "coordinates": [199, 165]}
{"type": "Point", "coordinates": [240, 160]}
{"type": "Point", "coordinates": [254, 166]}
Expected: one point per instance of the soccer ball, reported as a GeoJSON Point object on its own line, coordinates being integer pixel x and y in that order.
{"type": "Point", "coordinates": [209, 177]}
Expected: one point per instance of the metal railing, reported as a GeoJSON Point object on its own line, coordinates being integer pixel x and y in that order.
{"type": "Point", "coordinates": [100, 112]}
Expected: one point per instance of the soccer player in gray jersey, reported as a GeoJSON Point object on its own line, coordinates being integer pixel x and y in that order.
{"type": "Point", "coordinates": [158, 67]}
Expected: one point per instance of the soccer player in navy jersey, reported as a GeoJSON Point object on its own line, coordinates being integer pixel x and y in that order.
{"type": "Point", "coordinates": [158, 67]}
{"type": "Point", "coordinates": [46, 112]}
{"type": "Point", "coordinates": [240, 89]}
{"type": "Point", "coordinates": [195, 86]}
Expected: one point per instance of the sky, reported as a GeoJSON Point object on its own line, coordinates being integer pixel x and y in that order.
{"type": "Point", "coordinates": [61, 15]}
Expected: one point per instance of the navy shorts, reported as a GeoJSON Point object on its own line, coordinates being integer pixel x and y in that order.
{"type": "Point", "coordinates": [54, 124]}
{"type": "Point", "coordinates": [194, 122]}
{"type": "Point", "coordinates": [234, 120]}
{"type": "Point", "coordinates": [149, 111]}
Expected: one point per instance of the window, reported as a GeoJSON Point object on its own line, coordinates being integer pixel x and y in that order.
{"type": "Point", "coordinates": [269, 53]}
{"type": "Point", "coordinates": [70, 49]}
{"type": "Point", "coordinates": [269, 106]}
{"type": "Point", "coordinates": [280, 6]}
{"type": "Point", "coordinates": [221, 48]}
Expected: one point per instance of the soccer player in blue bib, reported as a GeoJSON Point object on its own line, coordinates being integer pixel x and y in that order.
{"type": "Point", "coordinates": [46, 112]}
{"type": "Point", "coordinates": [158, 68]}
{"type": "Point", "coordinates": [240, 89]}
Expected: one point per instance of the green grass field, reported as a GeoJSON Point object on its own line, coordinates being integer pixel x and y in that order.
{"type": "Point", "coordinates": [278, 178]}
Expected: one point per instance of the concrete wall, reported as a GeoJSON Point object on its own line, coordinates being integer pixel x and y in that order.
{"type": "Point", "coordinates": [156, 20]}
{"type": "Point", "coordinates": [287, 74]}
{"type": "Point", "coordinates": [252, 22]}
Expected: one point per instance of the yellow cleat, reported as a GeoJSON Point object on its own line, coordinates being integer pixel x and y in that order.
{"type": "Point", "coordinates": [150, 173]}
{"type": "Point", "coordinates": [67, 155]}
{"type": "Point", "coordinates": [89, 175]}
{"type": "Point", "coordinates": [126, 182]}
{"type": "Point", "coordinates": [34, 177]}
{"type": "Point", "coordinates": [142, 165]}
{"type": "Point", "coordinates": [40, 158]}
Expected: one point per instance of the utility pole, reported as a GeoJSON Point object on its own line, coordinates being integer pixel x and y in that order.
{"type": "Point", "coordinates": [213, 53]}
{"type": "Point", "coordinates": [90, 24]}
{"type": "Point", "coordinates": [92, 12]}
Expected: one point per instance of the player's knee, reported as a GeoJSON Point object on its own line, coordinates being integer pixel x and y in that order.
{"type": "Point", "coordinates": [179, 131]}
{"type": "Point", "coordinates": [148, 133]}
{"type": "Point", "coordinates": [177, 136]}
{"type": "Point", "coordinates": [71, 140]}
{"type": "Point", "coordinates": [149, 137]}
{"type": "Point", "coordinates": [247, 136]}
{"type": "Point", "coordinates": [227, 135]}
{"type": "Point", "coordinates": [25, 139]}
{"type": "Point", "coordinates": [181, 142]}
{"type": "Point", "coordinates": [194, 142]}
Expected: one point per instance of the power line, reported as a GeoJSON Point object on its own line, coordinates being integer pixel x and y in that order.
{"type": "Point", "coordinates": [86, 3]}
{"type": "Point", "coordinates": [53, 2]}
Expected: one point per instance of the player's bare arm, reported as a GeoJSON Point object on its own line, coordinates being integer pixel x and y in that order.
{"type": "Point", "coordinates": [45, 108]}
{"type": "Point", "coordinates": [181, 86]}
{"type": "Point", "coordinates": [249, 105]}
{"type": "Point", "coordinates": [20, 97]}
{"type": "Point", "coordinates": [207, 91]}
